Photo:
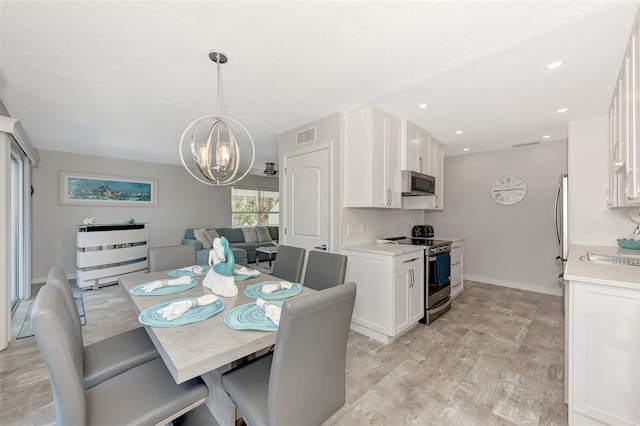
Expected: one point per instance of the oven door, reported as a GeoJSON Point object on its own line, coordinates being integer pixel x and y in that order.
{"type": "Point", "coordinates": [439, 281]}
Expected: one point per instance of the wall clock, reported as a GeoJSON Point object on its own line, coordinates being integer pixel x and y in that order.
{"type": "Point", "coordinates": [508, 190]}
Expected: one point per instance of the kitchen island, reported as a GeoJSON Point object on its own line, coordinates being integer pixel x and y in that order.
{"type": "Point", "coordinates": [603, 337]}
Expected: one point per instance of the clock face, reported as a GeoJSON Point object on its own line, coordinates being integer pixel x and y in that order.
{"type": "Point", "coordinates": [508, 190]}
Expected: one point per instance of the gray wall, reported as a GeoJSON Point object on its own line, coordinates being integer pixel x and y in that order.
{"type": "Point", "coordinates": [506, 245]}
{"type": "Point", "coordinates": [183, 203]}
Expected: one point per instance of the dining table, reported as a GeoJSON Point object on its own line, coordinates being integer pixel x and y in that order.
{"type": "Point", "coordinates": [204, 348]}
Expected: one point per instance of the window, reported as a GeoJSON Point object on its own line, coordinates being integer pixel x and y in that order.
{"type": "Point", "coordinates": [253, 207]}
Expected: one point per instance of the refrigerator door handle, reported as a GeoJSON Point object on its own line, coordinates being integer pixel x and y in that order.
{"type": "Point", "coordinates": [556, 213]}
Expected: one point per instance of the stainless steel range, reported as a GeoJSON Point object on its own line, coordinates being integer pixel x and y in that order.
{"type": "Point", "coordinates": [437, 275]}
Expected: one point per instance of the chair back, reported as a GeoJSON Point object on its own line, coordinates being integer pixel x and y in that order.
{"type": "Point", "coordinates": [58, 277]}
{"type": "Point", "coordinates": [325, 270]}
{"type": "Point", "coordinates": [289, 263]}
{"type": "Point", "coordinates": [171, 257]}
{"type": "Point", "coordinates": [307, 380]}
{"type": "Point", "coordinates": [54, 329]}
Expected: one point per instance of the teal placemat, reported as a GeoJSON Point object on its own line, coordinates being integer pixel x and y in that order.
{"type": "Point", "coordinates": [151, 317]}
{"type": "Point", "coordinates": [249, 317]}
{"type": "Point", "coordinates": [255, 291]}
{"type": "Point", "coordinates": [629, 244]}
{"type": "Point", "coordinates": [162, 291]}
{"type": "Point", "coordinates": [177, 273]}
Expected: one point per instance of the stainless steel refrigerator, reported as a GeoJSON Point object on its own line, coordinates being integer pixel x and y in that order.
{"type": "Point", "coordinates": [562, 224]}
{"type": "Point", "coordinates": [562, 236]}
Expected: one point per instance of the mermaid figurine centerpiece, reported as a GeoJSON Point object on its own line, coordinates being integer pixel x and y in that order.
{"type": "Point", "coordinates": [219, 279]}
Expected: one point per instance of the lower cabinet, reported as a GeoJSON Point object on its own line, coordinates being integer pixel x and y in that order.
{"type": "Point", "coordinates": [390, 297]}
{"type": "Point", "coordinates": [457, 271]}
{"type": "Point", "coordinates": [604, 349]}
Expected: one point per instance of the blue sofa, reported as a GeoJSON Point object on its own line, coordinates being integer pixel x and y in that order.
{"type": "Point", "coordinates": [244, 252]}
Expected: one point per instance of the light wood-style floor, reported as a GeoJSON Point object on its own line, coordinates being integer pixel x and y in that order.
{"type": "Point", "coordinates": [495, 359]}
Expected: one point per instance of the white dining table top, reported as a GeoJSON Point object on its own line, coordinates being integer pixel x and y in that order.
{"type": "Point", "coordinates": [194, 349]}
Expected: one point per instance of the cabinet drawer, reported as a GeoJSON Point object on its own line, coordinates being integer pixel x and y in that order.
{"type": "Point", "coordinates": [456, 257]}
{"type": "Point", "coordinates": [456, 279]}
{"type": "Point", "coordinates": [409, 260]}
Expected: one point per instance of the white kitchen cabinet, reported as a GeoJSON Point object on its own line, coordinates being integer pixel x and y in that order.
{"type": "Point", "coordinates": [390, 297]}
{"type": "Point", "coordinates": [372, 173]}
{"type": "Point", "coordinates": [604, 349]}
{"type": "Point", "coordinates": [624, 131]}
{"type": "Point", "coordinates": [416, 149]}
{"type": "Point", "coordinates": [457, 267]}
{"type": "Point", "coordinates": [435, 162]}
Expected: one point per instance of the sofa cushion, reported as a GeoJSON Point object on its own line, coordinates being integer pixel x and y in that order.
{"type": "Point", "coordinates": [211, 235]}
{"type": "Point", "coordinates": [200, 236]}
{"type": "Point", "coordinates": [273, 230]}
{"type": "Point", "coordinates": [233, 235]}
{"type": "Point", "coordinates": [188, 234]}
{"type": "Point", "coordinates": [263, 234]}
{"type": "Point", "coordinates": [250, 235]}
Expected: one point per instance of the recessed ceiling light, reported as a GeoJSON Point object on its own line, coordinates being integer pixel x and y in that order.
{"type": "Point", "coordinates": [562, 110]}
{"type": "Point", "coordinates": [546, 136]}
{"type": "Point", "coordinates": [553, 65]}
{"type": "Point", "coordinates": [423, 106]}
{"type": "Point", "coordinates": [466, 149]}
{"type": "Point", "coordinates": [459, 132]}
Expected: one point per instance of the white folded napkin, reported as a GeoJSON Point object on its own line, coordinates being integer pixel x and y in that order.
{"type": "Point", "coordinates": [270, 288]}
{"type": "Point", "coordinates": [176, 309]}
{"type": "Point", "coordinates": [271, 311]}
{"type": "Point", "coordinates": [246, 271]}
{"type": "Point", "coordinates": [196, 269]}
{"type": "Point", "coordinates": [165, 283]}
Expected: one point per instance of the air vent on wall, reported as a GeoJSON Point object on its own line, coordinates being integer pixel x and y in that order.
{"type": "Point", "coordinates": [306, 136]}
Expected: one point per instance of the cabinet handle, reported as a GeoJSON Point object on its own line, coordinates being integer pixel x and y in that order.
{"type": "Point", "coordinates": [455, 247]}
{"type": "Point", "coordinates": [607, 197]}
{"type": "Point", "coordinates": [437, 201]}
{"type": "Point", "coordinates": [410, 260]}
{"type": "Point", "coordinates": [420, 162]}
{"type": "Point", "coordinates": [454, 264]}
{"type": "Point", "coordinates": [389, 202]}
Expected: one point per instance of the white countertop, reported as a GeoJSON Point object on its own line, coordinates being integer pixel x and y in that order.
{"type": "Point", "coordinates": [599, 273]}
{"type": "Point", "coordinates": [385, 249]}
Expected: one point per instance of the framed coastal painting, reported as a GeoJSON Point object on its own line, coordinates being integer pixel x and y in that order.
{"type": "Point", "coordinates": [96, 190]}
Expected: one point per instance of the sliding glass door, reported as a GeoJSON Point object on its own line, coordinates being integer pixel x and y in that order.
{"type": "Point", "coordinates": [14, 208]}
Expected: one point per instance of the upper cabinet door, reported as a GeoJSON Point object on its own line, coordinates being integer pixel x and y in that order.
{"type": "Point", "coordinates": [372, 159]}
{"type": "Point", "coordinates": [410, 147]}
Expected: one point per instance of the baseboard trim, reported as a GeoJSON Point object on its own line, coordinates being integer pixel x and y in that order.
{"type": "Point", "coordinates": [516, 285]}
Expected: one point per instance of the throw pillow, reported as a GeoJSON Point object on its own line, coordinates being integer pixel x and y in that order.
{"type": "Point", "coordinates": [211, 235]}
{"type": "Point", "coordinates": [263, 234]}
{"type": "Point", "coordinates": [200, 236]}
{"type": "Point", "coordinates": [250, 235]}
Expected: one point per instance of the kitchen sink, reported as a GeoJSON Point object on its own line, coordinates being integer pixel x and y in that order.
{"type": "Point", "coordinates": [611, 259]}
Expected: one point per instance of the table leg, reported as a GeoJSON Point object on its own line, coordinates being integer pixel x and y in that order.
{"type": "Point", "coordinates": [218, 401]}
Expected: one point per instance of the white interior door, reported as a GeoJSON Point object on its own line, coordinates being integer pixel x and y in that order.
{"type": "Point", "coordinates": [307, 199]}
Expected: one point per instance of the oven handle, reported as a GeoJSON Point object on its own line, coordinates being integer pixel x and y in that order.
{"type": "Point", "coordinates": [440, 306]}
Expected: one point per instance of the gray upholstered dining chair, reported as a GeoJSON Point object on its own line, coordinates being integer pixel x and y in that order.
{"type": "Point", "coordinates": [302, 382]}
{"type": "Point", "coordinates": [289, 263]}
{"type": "Point", "coordinates": [171, 257]}
{"type": "Point", "coordinates": [146, 394]}
{"type": "Point", "coordinates": [324, 270]}
{"type": "Point", "coordinates": [108, 357]}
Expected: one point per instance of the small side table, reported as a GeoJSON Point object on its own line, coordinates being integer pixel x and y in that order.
{"type": "Point", "coordinates": [270, 251]}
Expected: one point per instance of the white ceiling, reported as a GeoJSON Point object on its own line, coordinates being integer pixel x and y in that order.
{"type": "Point", "coordinates": [123, 79]}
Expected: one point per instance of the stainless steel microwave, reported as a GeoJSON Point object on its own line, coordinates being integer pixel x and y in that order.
{"type": "Point", "coordinates": [414, 183]}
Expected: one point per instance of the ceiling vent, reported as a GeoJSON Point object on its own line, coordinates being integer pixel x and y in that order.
{"type": "Point", "coordinates": [269, 170]}
{"type": "Point", "coordinates": [306, 136]}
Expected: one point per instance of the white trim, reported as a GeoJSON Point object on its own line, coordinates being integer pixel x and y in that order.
{"type": "Point", "coordinates": [15, 129]}
{"type": "Point", "coordinates": [515, 285]}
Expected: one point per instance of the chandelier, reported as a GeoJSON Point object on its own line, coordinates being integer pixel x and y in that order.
{"type": "Point", "coordinates": [213, 152]}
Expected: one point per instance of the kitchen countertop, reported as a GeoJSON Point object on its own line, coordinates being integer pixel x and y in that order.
{"type": "Point", "coordinates": [599, 273]}
{"type": "Point", "coordinates": [385, 249]}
